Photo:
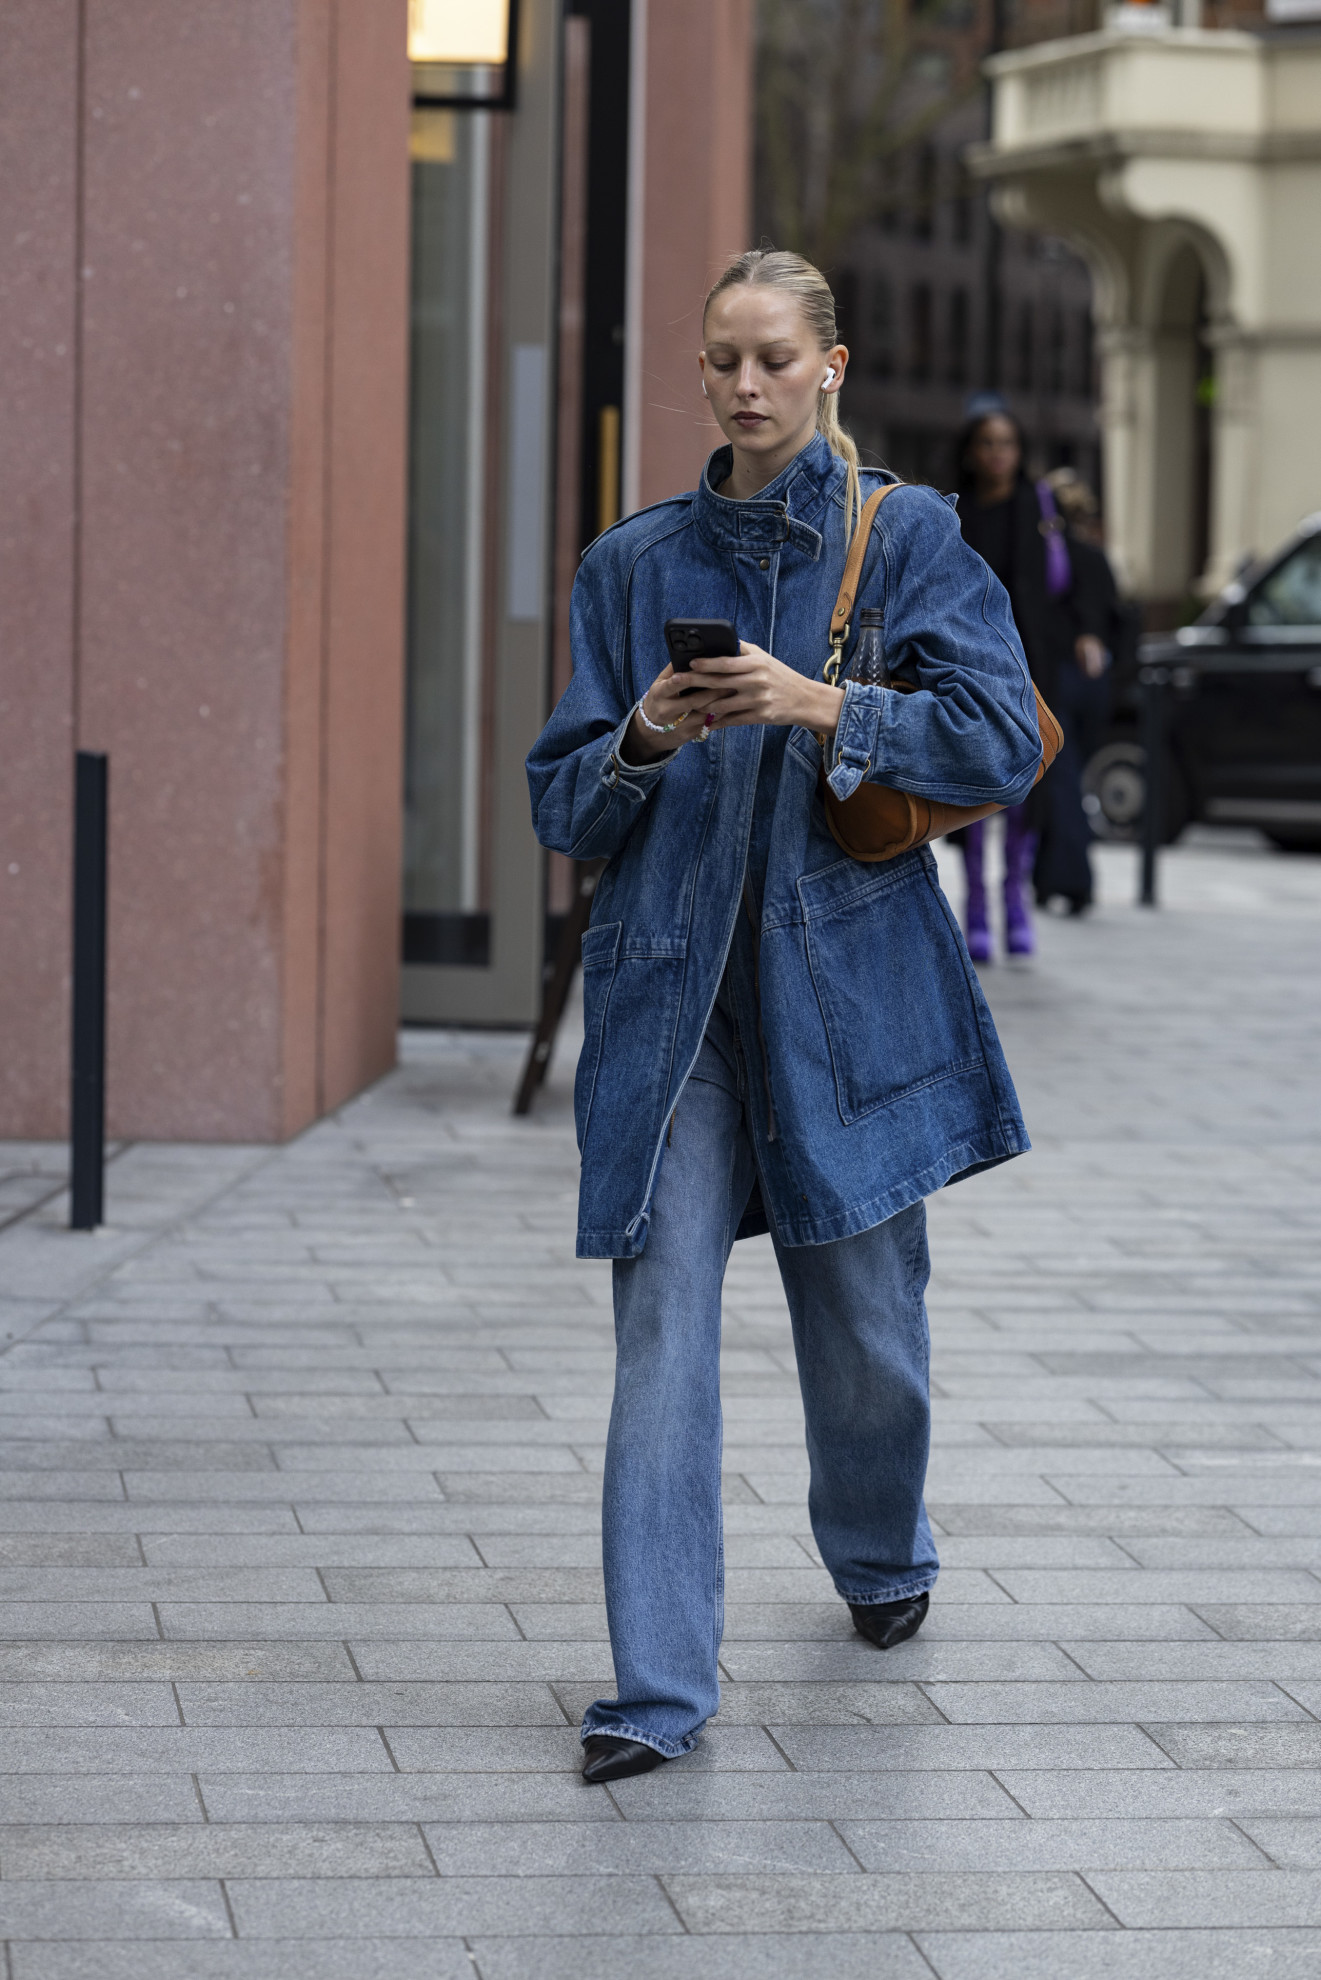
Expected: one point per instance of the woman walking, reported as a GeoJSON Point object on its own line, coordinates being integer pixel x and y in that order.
{"type": "Point", "coordinates": [1010, 523]}
{"type": "Point", "coordinates": [777, 1037]}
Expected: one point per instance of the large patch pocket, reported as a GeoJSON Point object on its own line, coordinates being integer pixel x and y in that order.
{"type": "Point", "coordinates": [600, 958]}
{"type": "Point", "coordinates": [889, 978]}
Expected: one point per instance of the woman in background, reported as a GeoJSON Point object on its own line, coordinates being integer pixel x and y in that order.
{"type": "Point", "coordinates": [1004, 518]}
{"type": "Point", "coordinates": [1105, 636]}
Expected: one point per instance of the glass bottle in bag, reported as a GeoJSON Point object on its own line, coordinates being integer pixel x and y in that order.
{"type": "Point", "coordinates": [869, 668]}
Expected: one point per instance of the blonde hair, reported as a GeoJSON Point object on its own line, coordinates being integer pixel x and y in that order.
{"type": "Point", "coordinates": [774, 268]}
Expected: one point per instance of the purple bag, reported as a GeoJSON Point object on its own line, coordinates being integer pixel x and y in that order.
{"type": "Point", "coordinates": [1059, 571]}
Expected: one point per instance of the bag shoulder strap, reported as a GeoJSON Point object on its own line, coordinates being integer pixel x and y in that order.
{"type": "Point", "coordinates": [848, 590]}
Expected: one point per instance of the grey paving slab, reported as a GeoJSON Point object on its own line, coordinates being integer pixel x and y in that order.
{"type": "Point", "coordinates": [1263, 1622]}
{"type": "Point", "coordinates": [827, 1747]}
{"type": "Point", "coordinates": [418, 1660]}
{"type": "Point", "coordinates": [309, 1620]}
{"type": "Point", "coordinates": [160, 1584]}
{"type": "Point", "coordinates": [42, 1621]}
{"type": "Point", "coordinates": [1201, 1898]}
{"type": "Point", "coordinates": [304, 1704]}
{"type": "Point", "coordinates": [392, 1797]}
{"type": "Point", "coordinates": [165, 1851]}
{"type": "Point", "coordinates": [179, 1908]}
{"type": "Point", "coordinates": [1149, 1955]}
{"type": "Point", "coordinates": [1284, 1663]}
{"type": "Point", "coordinates": [1285, 1520]}
{"type": "Point", "coordinates": [88, 1663]}
{"type": "Point", "coordinates": [165, 1487]}
{"type": "Point", "coordinates": [676, 1794]}
{"type": "Point", "coordinates": [1088, 1702]}
{"type": "Point", "coordinates": [1097, 1844]}
{"type": "Point", "coordinates": [1182, 1792]}
{"type": "Point", "coordinates": [1162, 1585]}
{"type": "Point", "coordinates": [75, 1704]}
{"type": "Point", "coordinates": [1291, 1843]}
{"type": "Point", "coordinates": [28, 1487]}
{"type": "Point", "coordinates": [69, 1550]}
{"type": "Point", "coordinates": [922, 1659]}
{"type": "Point", "coordinates": [1050, 1550]}
{"type": "Point", "coordinates": [116, 1750]}
{"type": "Point", "coordinates": [275, 1959]}
{"type": "Point", "coordinates": [737, 1956]}
{"type": "Point", "coordinates": [573, 1586]}
{"type": "Point", "coordinates": [1227, 1745]}
{"type": "Point", "coordinates": [67, 1455]}
{"type": "Point", "coordinates": [103, 1797]}
{"type": "Point", "coordinates": [407, 1908]}
{"type": "Point", "coordinates": [78, 1516]}
{"type": "Point", "coordinates": [439, 1550]}
{"type": "Point", "coordinates": [579, 1849]}
{"type": "Point", "coordinates": [881, 1901]}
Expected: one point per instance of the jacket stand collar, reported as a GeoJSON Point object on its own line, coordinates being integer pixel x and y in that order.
{"type": "Point", "coordinates": [780, 513]}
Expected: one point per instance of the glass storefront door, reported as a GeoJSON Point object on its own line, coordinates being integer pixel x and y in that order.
{"type": "Point", "coordinates": [447, 908]}
{"type": "Point", "coordinates": [485, 235]}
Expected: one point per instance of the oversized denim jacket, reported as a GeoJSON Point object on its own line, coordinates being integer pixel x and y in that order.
{"type": "Point", "coordinates": [886, 1074]}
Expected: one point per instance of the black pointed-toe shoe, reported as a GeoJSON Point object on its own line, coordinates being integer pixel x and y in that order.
{"type": "Point", "coordinates": [606, 1758]}
{"type": "Point", "coordinates": [888, 1623]}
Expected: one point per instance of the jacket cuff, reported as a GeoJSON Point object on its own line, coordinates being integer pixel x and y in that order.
{"type": "Point", "coordinates": [855, 754]}
{"type": "Point", "coordinates": [634, 780]}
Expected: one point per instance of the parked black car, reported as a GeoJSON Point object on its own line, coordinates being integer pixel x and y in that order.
{"type": "Point", "coordinates": [1243, 711]}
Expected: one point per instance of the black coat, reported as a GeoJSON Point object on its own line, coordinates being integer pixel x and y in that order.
{"type": "Point", "coordinates": [1045, 624]}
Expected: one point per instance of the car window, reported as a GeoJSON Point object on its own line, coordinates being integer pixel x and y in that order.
{"type": "Point", "coordinates": [1291, 595]}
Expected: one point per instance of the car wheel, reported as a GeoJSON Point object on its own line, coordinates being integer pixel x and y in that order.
{"type": "Point", "coordinates": [1114, 787]}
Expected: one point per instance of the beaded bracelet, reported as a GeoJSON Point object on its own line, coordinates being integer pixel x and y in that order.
{"type": "Point", "coordinates": [657, 728]}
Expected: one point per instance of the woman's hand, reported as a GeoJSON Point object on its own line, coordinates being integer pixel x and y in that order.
{"type": "Point", "coordinates": [665, 702]}
{"type": "Point", "coordinates": [1091, 655]}
{"type": "Point", "coordinates": [757, 688]}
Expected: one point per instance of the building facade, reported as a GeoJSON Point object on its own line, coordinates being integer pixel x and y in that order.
{"type": "Point", "coordinates": [1117, 237]}
{"type": "Point", "coordinates": [317, 374]}
{"type": "Point", "coordinates": [938, 302]}
{"type": "Point", "coordinates": [1185, 164]}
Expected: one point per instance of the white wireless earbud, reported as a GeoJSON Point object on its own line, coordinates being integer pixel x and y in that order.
{"type": "Point", "coordinates": [829, 378]}
{"type": "Point", "coordinates": [705, 393]}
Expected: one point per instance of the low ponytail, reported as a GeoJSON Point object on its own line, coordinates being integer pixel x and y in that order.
{"type": "Point", "coordinates": [842, 444]}
{"type": "Point", "coordinates": [779, 269]}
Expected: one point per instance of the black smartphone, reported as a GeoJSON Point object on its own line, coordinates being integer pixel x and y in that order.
{"type": "Point", "coordinates": [699, 639]}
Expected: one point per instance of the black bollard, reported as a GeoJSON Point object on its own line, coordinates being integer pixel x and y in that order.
{"type": "Point", "coordinates": [87, 1097]}
{"type": "Point", "coordinates": [1152, 682]}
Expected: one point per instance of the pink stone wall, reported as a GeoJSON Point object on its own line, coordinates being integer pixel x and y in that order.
{"type": "Point", "coordinates": [38, 214]}
{"type": "Point", "coordinates": [227, 620]}
{"type": "Point", "coordinates": [697, 212]}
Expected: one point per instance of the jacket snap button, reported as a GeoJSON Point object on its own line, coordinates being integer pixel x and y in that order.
{"type": "Point", "coordinates": [765, 564]}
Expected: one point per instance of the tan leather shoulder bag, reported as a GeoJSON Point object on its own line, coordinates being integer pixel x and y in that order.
{"type": "Point", "coordinates": [877, 822]}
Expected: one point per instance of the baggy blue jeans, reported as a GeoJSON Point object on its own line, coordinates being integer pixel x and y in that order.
{"type": "Point", "coordinates": [860, 1336]}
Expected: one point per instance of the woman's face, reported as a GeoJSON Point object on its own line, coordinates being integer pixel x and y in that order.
{"type": "Point", "coordinates": [994, 455]}
{"type": "Point", "coordinates": [763, 368]}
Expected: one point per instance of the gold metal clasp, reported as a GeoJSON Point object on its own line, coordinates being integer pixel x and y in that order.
{"type": "Point", "coordinates": [836, 660]}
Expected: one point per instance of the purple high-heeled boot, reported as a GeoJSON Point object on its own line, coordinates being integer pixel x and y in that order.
{"type": "Point", "coordinates": [1020, 850]}
{"type": "Point", "coordinates": [977, 927]}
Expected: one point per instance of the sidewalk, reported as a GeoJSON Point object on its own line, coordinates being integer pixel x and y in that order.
{"type": "Point", "coordinates": [299, 1482]}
